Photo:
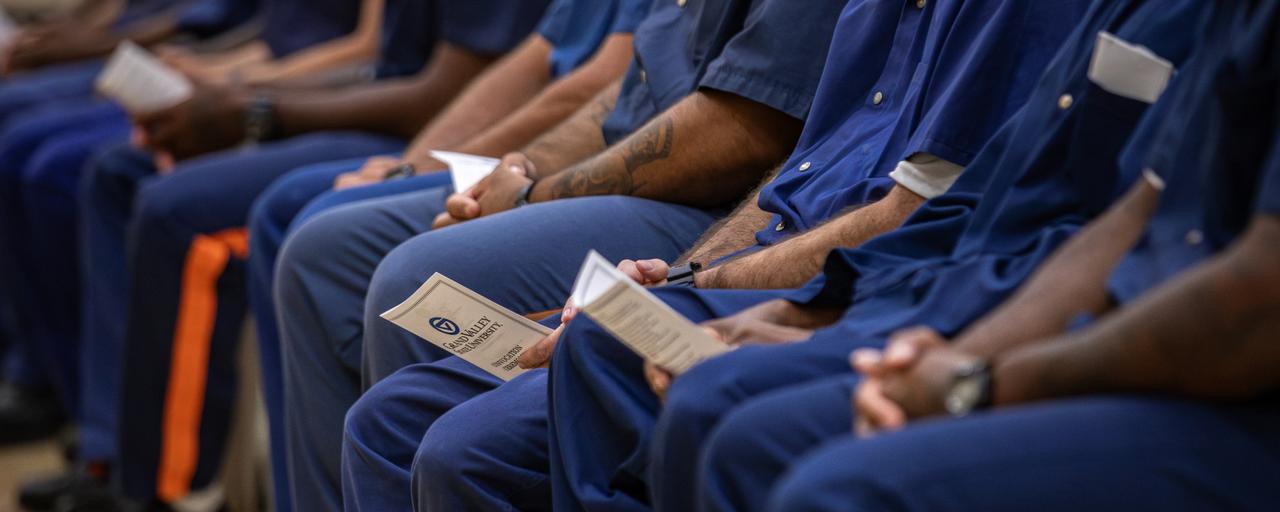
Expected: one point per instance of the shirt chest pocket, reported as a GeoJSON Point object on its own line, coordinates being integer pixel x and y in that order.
{"type": "Point", "coordinates": [1128, 70]}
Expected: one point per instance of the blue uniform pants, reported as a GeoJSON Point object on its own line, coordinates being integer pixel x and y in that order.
{"type": "Point", "coordinates": [56, 83]}
{"type": "Point", "coordinates": [1114, 453]}
{"type": "Point", "coordinates": [619, 446]}
{"type": "Point", "coordinates": [288, 203]}
{"type": "Point", "coordinates": [181, 240]}
{"type": "Point", "coordinates": [42, 153]}
{"type": "Point", "coordinates": [523, 259]}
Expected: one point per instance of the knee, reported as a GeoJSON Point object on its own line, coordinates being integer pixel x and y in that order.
{"type": "Point", "coordinates": [584, 341]}
{"type": "Point", "coordinates": [832, 481]}
{"type": "Point", "coordinates": [700, 397]}
{"type": "Point", "coordinates": [53, 166]}
{"type": "Point", "coordinates": [114, 173]}
{"type": "Point", "coordinates": [452, 452]}
{"type": "Point", "coordinates": [396, 277]}
{"type": "Point", "coordinates": [364, 420]}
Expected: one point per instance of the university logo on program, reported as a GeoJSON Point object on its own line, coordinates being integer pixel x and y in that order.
{"type": "Point", "coordinates": [444, 325]}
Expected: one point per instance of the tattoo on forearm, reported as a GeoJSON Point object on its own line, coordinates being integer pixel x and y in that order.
{"type": "Point", "coordinates": [651, 144]}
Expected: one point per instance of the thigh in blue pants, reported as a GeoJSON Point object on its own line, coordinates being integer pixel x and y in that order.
{"type": "Point", "coordinates": [289, 202]}
{"type": "Point", "coordinates": [1115, 453]}
{"type": "Point", "coordinates": [652, 451]}
{"type": "Point", "coordinates": [524, 259]}
{"type": "Point", "coordinates": [182, 240]}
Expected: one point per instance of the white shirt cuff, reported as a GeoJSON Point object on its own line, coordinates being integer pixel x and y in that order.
{"type": "Point", "coordinates": [926, 175]}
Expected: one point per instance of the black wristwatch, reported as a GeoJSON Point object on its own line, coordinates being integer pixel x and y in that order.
{"type": "Point", "coordinates": [260, 119]}
{"type": "Point", "coordinates": [399, 172]}
{"type": "Point", "coordinates": [523, 197]}
{"type": "Point", "coordinates": [972, 389]}
{"type": "Point", "coordinates": [682, 275]}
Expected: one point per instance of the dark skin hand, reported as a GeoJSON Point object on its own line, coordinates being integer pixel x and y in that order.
{"type": "Point", "coordinates": [211, 120]}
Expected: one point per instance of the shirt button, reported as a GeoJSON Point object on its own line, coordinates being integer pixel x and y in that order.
{"type": "Point", "coordinates": [1065, 101]}
{"type": "Point", "coordinates": [644, 77]}
{"type": "Point", "coordinates": [805, 166]}
{"type": "Point", "coordinates": [781, 226]}
{"type": "Point", "coordinates": [921, 3]}
{"type": "Point", "coordinates": [878, 98]}
{"type": "Point", "coordinates": [1195, 237]}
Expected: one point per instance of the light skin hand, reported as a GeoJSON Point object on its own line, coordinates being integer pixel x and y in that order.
{"type": "Point", "coordinates": [646, 272]}
{"type": "Point", "coordinates": [496, 192]}
{"type": "Point", "coordinates": [373, 171]}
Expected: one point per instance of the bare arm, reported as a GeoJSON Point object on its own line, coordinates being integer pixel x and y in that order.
{"type": "Point", "coordinates": [576, 138]}
{"type": "Point", "coordinates": [1210, 333]}
{"type": "Point", "coordinates": [360, 46]}
{"type": "Point", "coordinates": [505, 86]}
{"type": "Point", "coordinates": [557, 102]}
{"type": "Point", "coordinates": [796, 260]}
{"type": "Point", "coordinates": [393, 107]}
{"type": "Point", "coordinates": [1073, 281]}
{"type": "Point", "coordinates": [734, 232]}
{"type": "Point", "coordinates": [707, 150]}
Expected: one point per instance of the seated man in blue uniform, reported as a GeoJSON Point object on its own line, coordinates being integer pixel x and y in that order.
{"type": "Point", "coordinates": [580, 48]}
{"type": "Point", "coordinates": [1166, 402]}
{"type": "Point", "coordinates": [902, 135]}
{"type": "Point", "coordinates": [953, 260]}
{"type": "Point", "coordinates": [173, 319]}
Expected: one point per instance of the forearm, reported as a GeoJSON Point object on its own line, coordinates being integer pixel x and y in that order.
{"type": "Point", "coordinates": [707, 150]}
{"type": "Point", "coordinates": [576, 138]}
{"type": "Point", "coordinates": [99, 14]}
{"type": "Point", "coordinates": [795, 261]}
{"type": "Point", "coordinates": [733, 233]}
{"type": "Point", "coordinates": [1070, 283]}
{"type": "Point", "coordinates": [360, 46]}
{"type": "Point", "coordinates": [393, 107]}
{"type": "Point", "coordinates": [1210, 333]}
{"type": "Point", "coordinates": [556, 103]}
{"type": "Point", "coordinates": [503, 88]}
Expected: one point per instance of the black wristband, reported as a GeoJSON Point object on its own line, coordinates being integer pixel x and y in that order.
{"type": "Point", "coordinates": [399, 172]}
{"type": "Point", "coordinates": [260, 119]}
{"type": "Point", "coordinates": [682, 275]}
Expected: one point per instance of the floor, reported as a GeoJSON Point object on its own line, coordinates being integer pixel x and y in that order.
{"type": "Point", "coordinates": [21, 463]}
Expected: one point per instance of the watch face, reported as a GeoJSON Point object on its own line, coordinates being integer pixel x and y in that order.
{"type": "Point", "coordinates": [964, 395]}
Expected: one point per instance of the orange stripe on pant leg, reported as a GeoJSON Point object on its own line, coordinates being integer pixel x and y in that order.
{"type": "Point", "coordinates": [193, 334]}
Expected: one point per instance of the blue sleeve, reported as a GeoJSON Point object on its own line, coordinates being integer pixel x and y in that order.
{"type": "Point", "coordinates": [630, 14]}
{"type": "Point", "coordinates": [489, 26]}
{"type": "Point", "coordinates": [208, 18]}
{"type": "Point", "coordinates": [1268, 198]}
{"type": "Point", "coordinates": [778, 56]}
{"type": "Point", "coordinates": [986, 58]}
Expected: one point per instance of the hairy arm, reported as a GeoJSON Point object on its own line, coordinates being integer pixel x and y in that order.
{"type": "Point", "coordinates": [556, 102]}
{"type": "Point", "coordinates": [577, 137]}
{"type": "Point", "coordinates": [707, 150]}
{"type": "Point", "coordinates": [393, 107]}
{"type": "Point", "coordinates": [733, 233]}
{"type": "Point", "coordinates": [796, 260]}
{"type": "Point", "coordinates": [1210, 333]}
{"type": "Point", "coordinates": [1071, 282]}
{"type": "Point", "coordinates": [505, 86]}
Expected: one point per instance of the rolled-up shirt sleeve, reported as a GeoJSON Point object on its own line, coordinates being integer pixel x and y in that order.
{"type": "Point", "coordinates": [926, 175]}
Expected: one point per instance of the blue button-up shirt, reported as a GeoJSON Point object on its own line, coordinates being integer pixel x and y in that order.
{"type": "Point", "coordinates": [577, 28]}
{"type": "Point", "coordinates": [767, 51]}
{"type": "Point", "coordinates": [208, 18]}
{"type": "Point", "coordinates": [1049, 171]}
{"type": "Point", "coordinates": [411, 29]}
{"type": "Point", "coordinates": [1217, 146]}
{"type": "Point", "coordinates": [902, 80]}
{"type": "Point", "coordinates": [292, 25]}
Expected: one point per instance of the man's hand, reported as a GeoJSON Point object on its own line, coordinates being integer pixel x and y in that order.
{"type": "Point", "coordinates": [648, 273]}
{"type": "Point", "coordinates": [41, 46]}
{"type": "Point", "coordinates": [772, 322]}
{"type": "Point", "coordinates": [373, 171]}
{"type": "Point", "coordinates": [539, 355]}
{"type": "Point", "coordinates": [908, 381]}
{"type": "Point", "coordinates": [212, 119]}
{"type": "Point", "coordinates": [495, 193]}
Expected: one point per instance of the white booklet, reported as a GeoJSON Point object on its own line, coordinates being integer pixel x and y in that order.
{"type": "Point", "coordinates": [140, 82]}
{"type": "Point", "coordinates": [636, 317]}
{"type": "Point", "coordinates": [467, 170]}
{"type": "Point", "coordinates": [468, 325]}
